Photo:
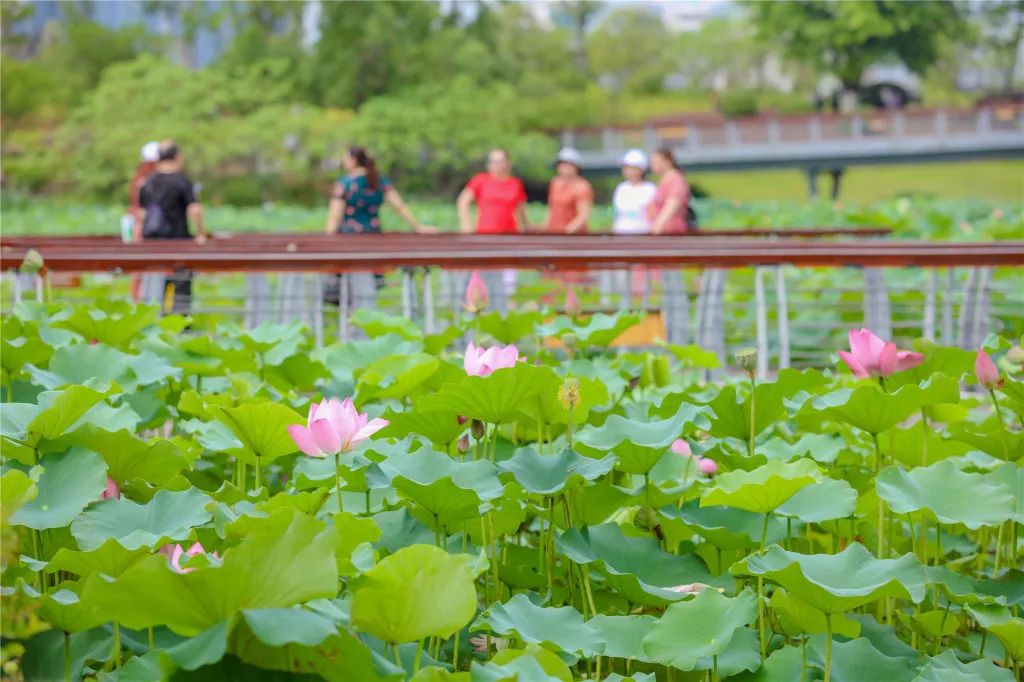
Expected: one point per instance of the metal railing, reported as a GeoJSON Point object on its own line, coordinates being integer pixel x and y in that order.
{"type": "Point", "coordinates": [791, 296]}
{"type": "Point", "coordinates": [711, 141]}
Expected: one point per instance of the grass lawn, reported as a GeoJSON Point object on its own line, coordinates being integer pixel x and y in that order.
{"type": "Point", "coordinates": [1001, 181]}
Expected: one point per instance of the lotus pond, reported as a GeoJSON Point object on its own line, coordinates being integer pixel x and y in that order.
{"type": "Point", "coordinates": [225, 504]}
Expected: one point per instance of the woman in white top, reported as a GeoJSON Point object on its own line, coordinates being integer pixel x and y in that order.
{"type": "Point", "coordinates": [631, 203]}
{"type": "Point", "coordinates": [632, 198]}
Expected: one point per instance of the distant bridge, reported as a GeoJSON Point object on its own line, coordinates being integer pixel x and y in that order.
{"type": "Point", "coordinates": [816, 142]}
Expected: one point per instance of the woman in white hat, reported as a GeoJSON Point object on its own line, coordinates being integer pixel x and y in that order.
{"type": "Point", "coordinates": [570, 196]}
{"type": "Point", "coordinates": [632, 198]}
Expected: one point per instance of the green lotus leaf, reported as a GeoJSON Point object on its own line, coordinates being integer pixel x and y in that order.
{"type": "Point", "coordinates": [82, 363]}
{"type": "Point", "coordinates": [742, 654]}
{"type": "Point", "coordinates": [726, 527]}
{"type": "Point", "coordinates": [346, 360]}
{"type": "Point", "coordinates": [998, 620]}
{"type": "Point", "coordinates": [549, 661]}
{"type": "Point", "coordinates": [550, 409]}
{"type": "Point", "coordinates": [821, 447]}
{"type": "Point", "coordinates": [56, 413]}
{"type": "Point", "coordinates": [16, 489]}
{"type": "Point", "coordinates": [116, 327]}
{"type": "Point", "coordinates": [441, 426]}
{"type": "Point", "coordinates": [44, 653]}
{"type": "Point", "coordinates": [764, 489]}
{"type": "Point", "coordinates": [697, 628]}
{"type": "Point", "coordinates": [636, 566]}
{"type": "Point", "coordinates": [623, 635]}
{"type": "Point", "coordinates": [871, 409]}
{"type": "Point", "coordinates": [638, 445]}
{"type": "Point", "coordinates": [353, 532]}
{"type": "Point", "coordinates": [989, 437]}
{"type": "Point", "coordinates": [1010, 477]}
{"type": "Point", "coordinates": [510, 327]}
{"type": "Point", "coordinates": [910, 446]}
{"type": "Point", "coordinates": [519, 669]}
{"type": "Point", "coordinates": [395, 376]}
{"type": "Point", "coordinates": [64, 610]}
{"type": "Point", "coordinates": [128, 458]}
{"type": "Point", "coordinates": [274, 343]}
{"type": "Point", "coordinates": [932, 623]}
{"type": "Point", "coordinates": [262, 428]}
{"type": "Point", "coordinates": [110, 558]}
{"type": "Point", "coordinates": [599, 330]}
{"type": "Point", "coordinates": [732, 413]}
{"type": "Point", "coordinates": [377, 323]}
{"type": "Point", "coordinates": [296, 625]}
{"type": "Point", "coordinates": [830, 499]}
{"type": "Point", "coordinates": [859, 660]}
{"type": "Point", "coordinates": [495, 399]}
{"type": "Point", "coordinates": [419, 591]}
{"type": "Point", "coordinates": [953, 362]}
{"type": "Point", "coordinates": [561, 627]}
{"type": "Point", "coordinates": [286, 560]}
{"type": "Point", "coordinates": [951, 495]}
{"type": "Point", "coordinates": [959, 588]}
{"type": "Point", "coordinates": [798, 617]}
{"type": "Point", "coordinates": [17, 352]}
{"type": "Point", "coordinates": [1013, 390]}
{"type": "Point", "coordinates": [69, 482]}
{"type": "Point", "coordinates": [440, 485]}
{"type": "Point", "coordinates": [833, 583]}
{"type": "Point", "coordinates": [551, 474]}
{"type": "Point", "coordinates": [946, 667]}
{"type": "Point", "coordinates": [694, 356]}
{"type": "Point", "coordinates": [168, 516]}
{"type": "Point", "coordinates": [782, 665]}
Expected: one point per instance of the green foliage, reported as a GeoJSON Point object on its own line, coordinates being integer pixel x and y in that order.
{"type": "Point", "coordinates": [530, 549]}
{"type": "Point", "coordinates": [845, 38]}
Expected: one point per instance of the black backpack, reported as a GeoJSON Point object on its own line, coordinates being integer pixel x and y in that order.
{"type": "Point", "coordinates": [155, 225]}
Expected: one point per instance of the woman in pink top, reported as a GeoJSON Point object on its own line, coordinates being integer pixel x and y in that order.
{"type": "Point", "coordinates": [671, 200]}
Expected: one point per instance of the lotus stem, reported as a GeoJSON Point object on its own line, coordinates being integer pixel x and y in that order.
{"type": "Point", "coordinates": [926, 427]}
{"type": "Point", "coordinates": [367, 501]}
{"type": "Point", "coordinates": [803, 659]}
{"type": "Point", "coordinates": [257, 474]}
{"type": "Point", "coordinates": [67, 656]}
{"type": "Point", "coordinates": [416, 661]}
{"type": "Point", "coordinates": [881, 503]}
{"type": "Point", "coordinates": [1002, 424]}
{"type": "Point", "coordinates": [828, 647]}
{"type": "Point", "coordinates": [152, 640]}
{"type": "Point", "coordinates": [117, 645]}
{"type": "Point", "coordinates": [753, 430]}
{"type": "Point", "coordinates": [760, 616]}
{"type": "Point", "coordinates": [647, 502]}
{"type": "Point", "coordinates": [398, 658]}
{"type": "Point", "coordinates": [337, 482]}
{"type": "Point", "coordinates": [999, 547]}
{"type": "Point", "coordinates": [942, 624]}
{"type": "Point", "coordinates": [455, 651]}
{"type": "Point", "coordinates": [590, 595]}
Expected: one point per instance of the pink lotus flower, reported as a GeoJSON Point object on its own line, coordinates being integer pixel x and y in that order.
{"type": "Point", "coordinates": [681, 448]}
{"type": "Point", "coordinates": [175, 553]}
{"type": "Point", "coordinates": [111, 492]}
{"type": "Point", "coordinates": [479, 362]}
{"type": "Point", "coordinates": [692, 588]}
{"type": "Point", "coordinates": [870, 356]}
{"type": "Point", "coordinates": [573, 307]}
{"type": "Point", "coordinates": [481, 643]}
{"type": "Point", "coordinates": [986, 371]}
{"type": "Point", "coordinates": [707, 466]}
{"type": "Point", "coordinates": [476, 294]}
{"type": "Point", "coordinates": [332, 427]}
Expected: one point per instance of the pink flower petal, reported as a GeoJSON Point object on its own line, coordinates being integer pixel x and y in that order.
{"type": "Point", "coordinates": [708, 466]}
{"type": "Point", "coordinates": [372, 427]}
{"type": "Point", "coordinates": [888, 359]}
{"type": "Point", "coordinates": [986, 370]}
{"type": "Point", "coordinates": [327, 439]}
{"type": "Point", "coordinates": [854, 365]}
{"type": "Point", "coordinates": [111, 492]}
{"type": "Point", "coordinates": [681, 448]}
{"type": "Point", "coordinates": [303, 438]}
{"type": "Point", "coordinates": [908, 359]}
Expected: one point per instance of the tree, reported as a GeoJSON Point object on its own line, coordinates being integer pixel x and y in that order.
{"type": "Point", "coordinates": [845, 38]}
{"type": "Point", "coordinates": [1002, 28]}
{"type": "Point", "coordinates": [579, 14]}
{"type": "Point", "coordinates": [630, 49]}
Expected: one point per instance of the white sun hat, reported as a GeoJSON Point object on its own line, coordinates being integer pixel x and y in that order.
{"type": "Point", "coordinates": [569, 155]}
{"type": "Point", "coordinates": [635, 158]}
{"type": "Point", "coordinates": [150, 151]}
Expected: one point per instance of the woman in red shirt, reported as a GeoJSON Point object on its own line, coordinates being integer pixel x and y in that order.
{"type": "Point", "coordinates": [672, 198]}
{"type": "Point", "coordinates": [499, 196]}
{"type": "Point", "coordinates": [570, 196]}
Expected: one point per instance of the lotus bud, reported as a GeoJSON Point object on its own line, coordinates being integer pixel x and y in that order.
{"type": "Point", "coordinates": [463, 444]}
{"type": "Point", "coordinates": [569, 394]}
{"type": "Point", "coordinates": [462, 419]}
{"type": "Point", "coordinates": [573, 307]}
{"type": "Point", "coordinates": [681, 448]}
{"type": "Point", "coordinates": [476, 294]}
{"type": "Point", "coordinates": [477, 429]}
{"type": "Point", "coordinates": [986, 371]}
{"type": "Point", "coordinates": [747, 360]}
{"type": "Point", "coordinates": [708, 466]}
